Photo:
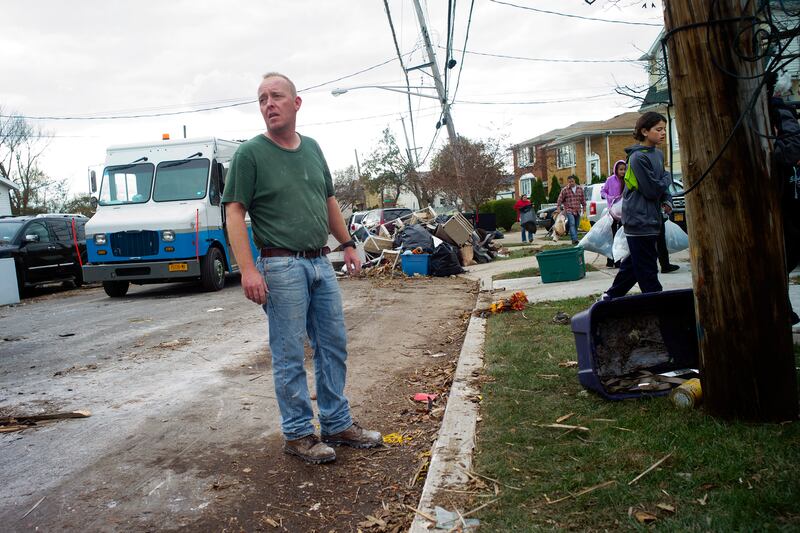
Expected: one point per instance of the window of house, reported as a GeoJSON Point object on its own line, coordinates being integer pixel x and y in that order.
{"type": "Point", "coordinates": [525, 185]}
{"type": "Point", "coordinates": [526, 156]}
{"type": "Point", "coordinates": [565, 156]}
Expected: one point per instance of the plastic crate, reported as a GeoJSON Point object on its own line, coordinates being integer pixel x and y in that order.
{"type": "Point", "coordinates": [415, 264]}
{"type": "Point", "coordinates": [674, 311]}
{"type": "Point", "coordinates": [565, 264]}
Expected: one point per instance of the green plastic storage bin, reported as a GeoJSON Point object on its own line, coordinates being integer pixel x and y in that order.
{"type": "Point", "coordinates": [565, 264]}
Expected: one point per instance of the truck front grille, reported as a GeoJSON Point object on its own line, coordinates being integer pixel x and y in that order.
{"type": "Point", "coordinates": [134, 243]}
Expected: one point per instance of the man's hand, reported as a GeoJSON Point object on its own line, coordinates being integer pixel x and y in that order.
{"type": "Point", "coordinates": [254, 286]}
{"type": "Point", "coordinates": [352, 261]}
{"type": "Point", "coordinates": [667, 208]}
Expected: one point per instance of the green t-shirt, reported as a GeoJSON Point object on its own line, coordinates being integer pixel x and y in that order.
{"type": "Point", "coordinates": [285, 192]}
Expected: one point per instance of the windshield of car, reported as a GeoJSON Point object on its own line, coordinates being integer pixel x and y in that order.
{"type": "Point", "coordinates": [181, 180]}
{"type": "Point", "coordinates": [371, 218]}
{"type": "Point", "coordinates": [8, 230]}
{"type": "Point", "coordinates": [676, 188]}
{"type": "Point", "coordinates": [358, 217]}
{"type": "Point", "coordinates": [126, 184]}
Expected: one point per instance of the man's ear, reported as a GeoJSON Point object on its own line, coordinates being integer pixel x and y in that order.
{"type": "Point", "coordinates": [297, 103]}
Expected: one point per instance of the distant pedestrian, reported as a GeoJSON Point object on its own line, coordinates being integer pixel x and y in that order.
{"type": "Point", "coordinates": [612, 192]}
{"type": "Point", "coordinates": [524, 210]}
{"type": "Point", "coordinates": [646, 186]}
{"type": "Point", "coordinates": [282, 180]}
{"type": "Point", "coordinates": [572, 203]}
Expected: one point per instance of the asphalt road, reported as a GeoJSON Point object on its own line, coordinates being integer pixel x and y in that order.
{"type": "Point", "coordinates": [168, 373]}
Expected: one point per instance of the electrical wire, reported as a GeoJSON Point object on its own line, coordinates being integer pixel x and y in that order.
{"type": "Point", "coordinates": [234, 103]}
{"type": "Point", "coordinates": [547, 12]}
{"type": "Point", "coordinates": [463, 51]}
{"type": "Point", "coordinates": [540, 102]}
{"type": "Point", "coordinates": [549, 60]}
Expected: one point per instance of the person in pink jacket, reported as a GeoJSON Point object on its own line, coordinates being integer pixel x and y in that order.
{"type": "Point", "coordinates": [612, 192]}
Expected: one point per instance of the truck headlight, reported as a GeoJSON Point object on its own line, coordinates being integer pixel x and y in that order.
{"type": "Point", "coordinates": [167, 235]}
{"type": "Point", "coordinates": [100, 239]}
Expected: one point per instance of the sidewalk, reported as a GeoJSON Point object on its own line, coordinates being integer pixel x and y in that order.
{"type": "Point", "coordinates": [451, 455]}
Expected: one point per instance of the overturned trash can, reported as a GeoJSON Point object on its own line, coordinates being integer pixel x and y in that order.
{"type": "Point", "coordinates": [640, 345]}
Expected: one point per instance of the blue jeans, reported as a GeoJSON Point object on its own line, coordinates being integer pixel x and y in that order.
{"type": "Point", "coordinates": [304, 300]}
{"type": "Point", "coordinates": [572, 224]}
{"type": "Point", "coordinates": [526, 235]}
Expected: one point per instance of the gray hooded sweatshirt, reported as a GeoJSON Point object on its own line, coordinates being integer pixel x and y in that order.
{"type": "Point", "coordinates": [641, 208]}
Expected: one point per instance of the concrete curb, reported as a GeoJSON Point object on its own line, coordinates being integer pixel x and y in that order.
{"type": "Point", "coordinates": [452, 452]}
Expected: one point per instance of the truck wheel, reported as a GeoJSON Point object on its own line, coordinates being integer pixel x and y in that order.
{"type": "Point", "coordinates": [78, 279]}
{"type": "Point", "coordinates": [116, 289]}
{"type": "Point", "coordinates": [212, 270]}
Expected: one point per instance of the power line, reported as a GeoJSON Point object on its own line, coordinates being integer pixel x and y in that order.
{"type": "Point", "coordinates": [568, 15]}
{"type": "Point", "coordinates": [463, 52]}
{"type": "Point", "coordinates": [551, 60]}
{"type": "Point", "coordinates": [234, 103]}
{"type": "Point", "coordinates": [405, 73]}
{"type": "Point", "coordinates": [540, 102]}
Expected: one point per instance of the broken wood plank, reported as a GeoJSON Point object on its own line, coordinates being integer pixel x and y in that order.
{"type": "Point", "coordinates": [582, 492]}
{"type": "Point", "coordinates": [46, 416]}
{"type": "Point", "coordinates": [651, 468]}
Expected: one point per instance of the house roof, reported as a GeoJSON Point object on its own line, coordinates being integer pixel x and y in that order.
{"type": "Point", "coordinates": [8, 183]}
{"type": "Point", "coordinates": [655, 97]}
{"type": "Point", "coordinates": [619, 124]}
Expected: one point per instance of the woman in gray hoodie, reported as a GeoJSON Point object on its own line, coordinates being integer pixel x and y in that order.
{"type": "Point", "coordinates": [645, 194]}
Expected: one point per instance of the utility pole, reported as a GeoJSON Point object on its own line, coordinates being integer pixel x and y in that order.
{"type": "Point", "coordinates": [738, 264]}
{"type": "Point", "coordinates": [437, 80]}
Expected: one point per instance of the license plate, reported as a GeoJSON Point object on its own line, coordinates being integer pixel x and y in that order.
{"type": "Point", "coordinates": [678, 217]}
{"type": "Point", "coordinates": [178, 267]}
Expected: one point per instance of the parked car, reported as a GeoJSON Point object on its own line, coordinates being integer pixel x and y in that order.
{"type": "Point", "coordinates": [678, 214]}
{"type": "Point", "coordinates": [595, 205]}
{"type": "Point", "coordinates": [43, 248]}
{"type": "Point", "coordinates": [373, 219]}
{"type": "Point", "coordinates": [545, 217]}
{"type": "Point", "coordinates": [355, 221]}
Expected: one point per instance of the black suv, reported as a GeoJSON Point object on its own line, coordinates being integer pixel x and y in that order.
{"type": "Point", "coordinates": [43, 247]}
{"type": "Point", "coordinates": [678, 214]}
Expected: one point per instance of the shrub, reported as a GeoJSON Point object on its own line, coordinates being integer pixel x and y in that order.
{"type": "Point", "coordinates": [538, 195]}
{"type": "Point", "coordinates": [555, 189]}
{"type": "Point", "coordinates": [503, 210]}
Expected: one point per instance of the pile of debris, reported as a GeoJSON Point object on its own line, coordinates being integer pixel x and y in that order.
{"type": "Point", "coordinates": [450, 243]}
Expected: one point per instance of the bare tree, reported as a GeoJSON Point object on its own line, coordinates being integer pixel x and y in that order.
{"type": "Point", "coordinates": [21, 146]}
{"type": "Point", "coordinates": [483, 163]}
{"type": "Point", "coordinates": [349, 188]}
{"type": "Point", "coordinates": [386, 169]}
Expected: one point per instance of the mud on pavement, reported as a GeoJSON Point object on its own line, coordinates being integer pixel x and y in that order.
{"type": "Point", "coordinates": [184, 433]}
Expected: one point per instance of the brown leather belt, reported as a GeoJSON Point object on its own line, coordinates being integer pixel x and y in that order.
{"type": "Point", "coordinates": [283, 252]}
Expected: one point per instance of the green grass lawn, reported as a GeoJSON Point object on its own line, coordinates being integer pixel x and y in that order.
{"type": "Point", "coordinates": [721, 476]}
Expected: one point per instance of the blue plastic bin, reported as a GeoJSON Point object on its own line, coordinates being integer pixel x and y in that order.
{"type": "Point", "coordinates": [676, 322]}
{"type": "Point", "coordinates": [415, 264]}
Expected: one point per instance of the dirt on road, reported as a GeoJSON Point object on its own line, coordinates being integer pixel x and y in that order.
{"type": "Point", "coordinates": [184, 432]}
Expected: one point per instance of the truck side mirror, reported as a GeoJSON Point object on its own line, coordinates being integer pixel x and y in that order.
{"type": "Point", "coordinates": [93, 180]}
{"type": "Point", "coordinates": [93, 202]}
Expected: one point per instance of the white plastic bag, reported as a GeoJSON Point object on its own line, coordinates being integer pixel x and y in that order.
{"type": "Point", "coordinates": [677, 239]}
{"type": "Point", "coordinates": [600, 238]}
{"type": "Point", "coordinates": [620, 250]}
{"type": "Point", "coordinates": [616, 210]}
{"type": "Point", "coordinates": [560, 227]}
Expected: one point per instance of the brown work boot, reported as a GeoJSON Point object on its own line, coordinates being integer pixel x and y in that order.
{"type": "Point", "coordinates": [355, 436]}
{"type": "Point", "coordinates": [310, 450]}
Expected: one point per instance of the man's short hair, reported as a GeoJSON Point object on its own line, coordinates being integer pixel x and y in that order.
{"type": "Point", "coordinates": [285, 77]}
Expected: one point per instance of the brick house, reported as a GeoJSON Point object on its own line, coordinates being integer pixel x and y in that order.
{"type": "Point", "coordinates": [585, 149]}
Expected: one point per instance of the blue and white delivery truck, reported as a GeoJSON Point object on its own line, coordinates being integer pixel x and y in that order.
{"type": "Point", "coordinates": [159, 216]}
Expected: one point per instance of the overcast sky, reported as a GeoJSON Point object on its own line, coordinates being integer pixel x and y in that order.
{"type": "Point", "coordinates": [105, 58]}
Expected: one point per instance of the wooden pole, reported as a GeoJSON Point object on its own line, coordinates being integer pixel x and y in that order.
{"type": "Point", "coordinates": [735, 229]}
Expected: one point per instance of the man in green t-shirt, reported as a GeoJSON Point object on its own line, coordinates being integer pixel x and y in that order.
{"type": "Point", "coordinates": [282, 180]}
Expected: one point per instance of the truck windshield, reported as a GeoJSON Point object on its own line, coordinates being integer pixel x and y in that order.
{"type": "Point", "coordinates": [8, 230]}
{"type": "Point", "coordinates": [181, 180]}
{"type": "Point", "coordinates": [126, 184]}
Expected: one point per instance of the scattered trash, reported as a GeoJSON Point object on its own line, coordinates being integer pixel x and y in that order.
{"type": "Point", "coordinates": [666, 507]}
{"type": "Point", "coordinates": [9, 424]}
{"type": "Point", "coordinates": [315, 507]}
{"type": "Point", "coordinates": [396, 438]}
{"type": "Point", "coordinates": [424, 397]}
{"type": "Point", "coordinates": [66, 334]}
{"type": "Point", "coordinates": [449, 520]}
{"type": "Point", "coordinates": [215, 309]}
{"type": "Point", "coordinates": [568, 364]}
{"type": "Point", "coordinates": [561, 318]}
{"type": "Point", "coordinates": [688, 394]}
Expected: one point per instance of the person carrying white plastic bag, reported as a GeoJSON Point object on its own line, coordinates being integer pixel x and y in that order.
{"type": "Point", "coordinates": [676, 238]}
{"type": "Point", "coordinates": [600, 238]}
{"type": "Point", "coordinates": [560, 226]}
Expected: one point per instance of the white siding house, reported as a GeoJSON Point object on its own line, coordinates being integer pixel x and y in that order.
{"type": "Point", "coordinates": [5, 195]}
